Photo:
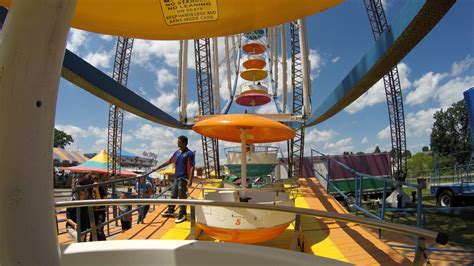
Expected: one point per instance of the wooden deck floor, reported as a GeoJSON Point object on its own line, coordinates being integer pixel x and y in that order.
{"type": "Point", "coordinates": [346, 242]}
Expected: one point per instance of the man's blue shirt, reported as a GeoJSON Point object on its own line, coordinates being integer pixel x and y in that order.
{"type": "Point", "coordinates": [183, 161]}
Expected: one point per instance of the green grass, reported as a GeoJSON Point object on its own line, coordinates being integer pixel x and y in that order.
{"type": "Point", "coordinates": [460, 228]}
{"type": "Point", "coordinates": [427, 198]}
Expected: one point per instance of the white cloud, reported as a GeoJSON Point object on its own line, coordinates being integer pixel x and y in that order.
{"type": "Point", "coordinates": [97, 135]}
{"type": "Point", "coordinates": [458, 68]}
{"type": "Point", "coordinates": [223, 84]}
{"type": "Point", "coordinates": [316, 62]}
{"type": "Point", "coordinates": [452, 90]}
{"type": "Point", "coordinates": [419, 123]}
{"type": "Point", "coordinates": [424, 88]}
{"type": "Point", "coordinates": [145, 52]}
{"type": "Point", "coordinates": [376, 94]}
{"type": "Point", "coordinates": [129, 116]}
{"type": "Point", "coordinates": [165, 101]}
{"type": "Point", "coordinates": [149, 132]}
{"type": "Point", "coordinates": [335, 59]}
{"type": "Point", "coordinates": [381, 147]}
{"type": "Point", "coordinates": [192, 109]}
{"type": "Point", "coordinates": [431, 85]}
{"type": "Point", "coordinates": [369, 150]}
{"type": "Point", "coordinates": [386, 4]}
{"type": "Point", "coordinates": [315, 136]}
{"type": "Point", "coordinates": [106, 37]}
{"type": "Point", "coordinates": [364, 140]}
{"type": "Point", "coordinates": [384, 133]}
{"type": "Point", "coordinates": [76, 39]}
{"type": "Point", "coordinates": [99, 59]}
{"type": "Point", "coordinates": [100, 135]}
{"type": "Point", "coordinates": [163, 141]}
{"type": "Point", "coordinates": [339, 146]}
{"type": "Point", "coordinates": [269, 108]}
{"type": "Point", "coordinates": [142, 91]}
{"type": "Point", "coordinates": [74, 131]}
{"type": "Point", "coordinates": [164, 77]}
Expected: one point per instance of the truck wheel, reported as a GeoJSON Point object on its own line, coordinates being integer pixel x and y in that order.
{"type": "Point", "coordinates": [446, 198]}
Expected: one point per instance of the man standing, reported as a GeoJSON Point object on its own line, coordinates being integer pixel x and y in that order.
{"type": "Point", "coordinates": [183, 159]}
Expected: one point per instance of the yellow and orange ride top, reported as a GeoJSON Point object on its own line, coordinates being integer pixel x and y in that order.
{"type": "Point", "coordinates": [258, 129]}
{"type": "Point", "coordinates": [254, 74]}
{"type": "Point", "coordinates": [254, 48]}
{"type": "Point", "coordinates": [256, 62]}
{"type": "Point", "coordinates": [187, 19]}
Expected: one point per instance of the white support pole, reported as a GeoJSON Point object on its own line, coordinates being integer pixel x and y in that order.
{"type": "Point", "coordinates": [215, 62]}
{"type": "Point", "coordinates": [180, 65]}
{"type": "Point", "coordinates": [305, 65]}
{"type": "Point", "coordinates": [243, 163]}
{"type": "Point", "coordinates": [184, 70]}
{"type": "Point", "coordinates": [270, 50]}
{"type": "Point", "coordinates": [31, 56]}
{"type": "Point", "coordinates": [275, 58]}
{"type": "Point", "coordinates": [284, 68]}
{"type": "Point", "coordinates": [235, 46]}
{"type": "Point", "coordinates": [227, 65]}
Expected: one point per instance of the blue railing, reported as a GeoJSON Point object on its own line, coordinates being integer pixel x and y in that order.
{"type": "Point", "coordinates": [359, 191]}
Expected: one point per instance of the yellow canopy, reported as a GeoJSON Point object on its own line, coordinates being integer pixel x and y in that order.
{"type": "Point", "coordinates": [169, 170]}
{"type": "Point", "coordinates": [187, 19]}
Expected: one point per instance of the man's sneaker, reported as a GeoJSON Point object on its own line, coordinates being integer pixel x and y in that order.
{"type": "Point", "coordinates": [167, 214]}
{"type": "Point", "coordinates": [180, 219]}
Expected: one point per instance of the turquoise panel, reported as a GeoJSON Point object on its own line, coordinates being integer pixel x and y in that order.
{"type": "Point", "coordinates": [252, 169]}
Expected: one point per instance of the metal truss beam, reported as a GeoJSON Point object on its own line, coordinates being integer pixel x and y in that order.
{"type": "Point", "coordinates": [296, 145]}
{"type": "Point", "coordinates": [123, 54]}
{"type": "Point", "coordinates": [210, 147]}
{"type": "Point", "coordinates": [393, 92]}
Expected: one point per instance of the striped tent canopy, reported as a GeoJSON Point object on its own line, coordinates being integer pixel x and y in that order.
{"type": "Point", "coordinates": [62, 155]}
{"type": "Point", "coordinates": [97, 164]}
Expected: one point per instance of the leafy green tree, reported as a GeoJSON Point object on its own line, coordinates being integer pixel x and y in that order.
{"type": "Point", "coordinates": [418, 163]}
{"type": "Point", "coordinates": [425, 149]}
{"type": "Point", "coordinates": [62, 139]}
{"type": "Point", "coordinates": [377, 149]}
{"type": "Point", "coordinates": [450, 133]}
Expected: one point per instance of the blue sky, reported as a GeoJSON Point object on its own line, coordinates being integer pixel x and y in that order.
{"type": "Point", "coordinates": [433, 76]}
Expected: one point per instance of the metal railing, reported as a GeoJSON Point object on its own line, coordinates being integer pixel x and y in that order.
{"type": "Point", "coordinates": [359, 190]}
{"type": "Point", "coordinates": [421, 234]}
{"type": "Point", "coordinates": [107, 222]}
{"type": "Point", "coordinates": [116, 217]}
{"type": "Point", "coordinates": [420, 211]}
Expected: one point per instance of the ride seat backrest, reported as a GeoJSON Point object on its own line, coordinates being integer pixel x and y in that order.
{"type": "Point", "coordinates": [227, 196]}
{"type": "Point", "coordinates": [256, 197]}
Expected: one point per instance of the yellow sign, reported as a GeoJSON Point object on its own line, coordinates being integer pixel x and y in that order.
{"type": "Point", "coordinates": [188, 11]}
